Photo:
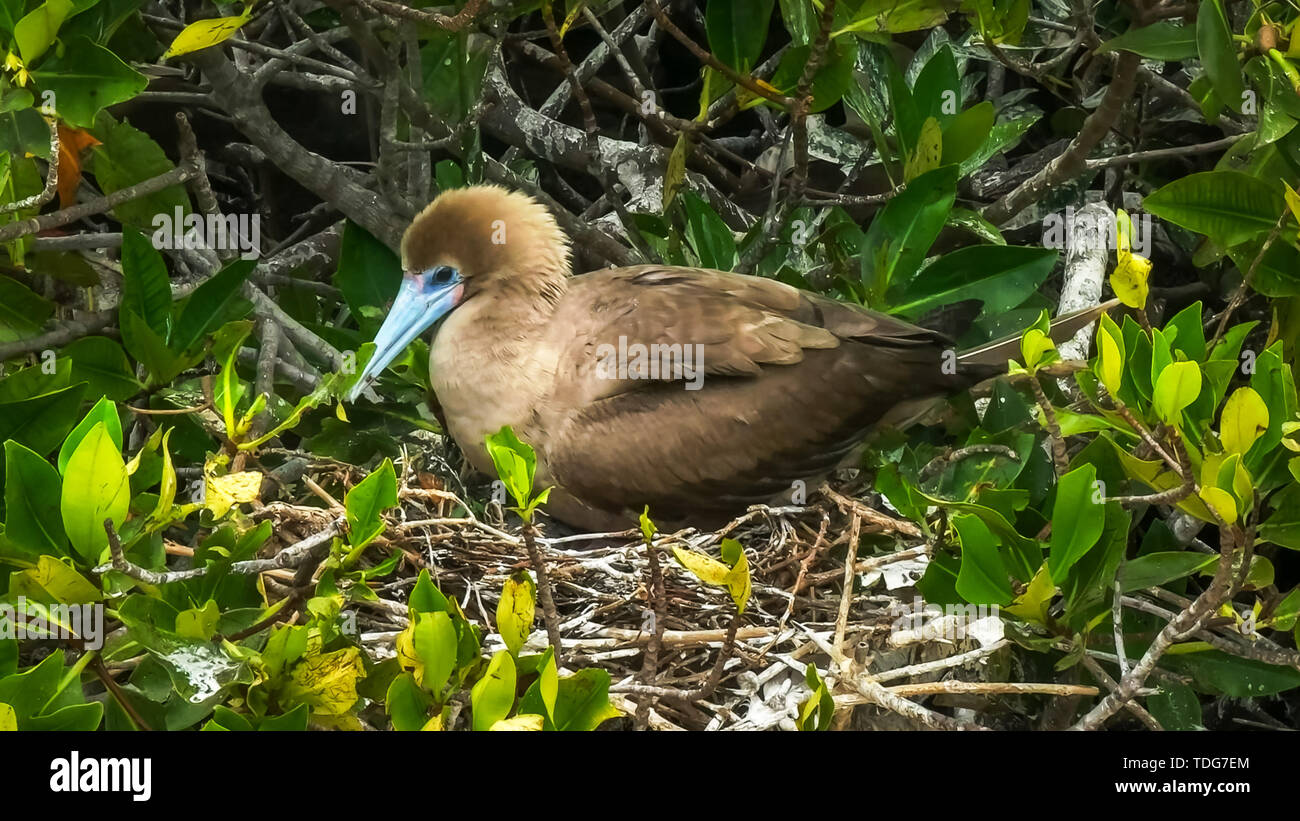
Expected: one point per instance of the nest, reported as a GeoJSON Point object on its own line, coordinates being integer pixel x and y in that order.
{"type": "Point", "coordinates": [711, 668]}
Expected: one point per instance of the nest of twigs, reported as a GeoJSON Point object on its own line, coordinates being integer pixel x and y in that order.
{"type": "Point", "coordinates": [705, 666]}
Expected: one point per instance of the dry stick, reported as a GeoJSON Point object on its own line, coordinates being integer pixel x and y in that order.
{"type": "Point", "coordinates": [878, 695]}
{"type": "Point", "coordinates": [1162, 153]}
{"type": "Point", "coordinates": [1059, 456]}
{"type": "Point", "coordinates": [98, 205]}
{"type": "Point", "coordinates": [452, 23]}
{"type": "Point", "coordinates": [781, 209]}
{"type": "Point", "coordinates": [67, 331]}
{"type": "Point", "coordinates": [710, 684]}
{"type": "Point", "coordinates": [597, 165]}
{"type": "Point", "coordinates": [706, 57]}
{"type": "Point", "coordinates": [1239, 295]}
{"type": "Point", "coordinates": [938, 463]}
{"type": "Point", "coordinates": [992, 688]}
{"type": "Point", "coordinates": [51, 177]}
{"type": "Point", "coordinates": [549, 613]}
{"type": "Point", "coordinates": [101, 672]}
{"type": "Point", "coordinates": [846, 597]}
{"type": "Point", "coordinates": [1098, 672]}
{"type": "Point", "coordinates": [650, 664]}
{"type": "Point", "coordinates": [1189, 620]}
{"type": "Point", "coordinates": [264, 383]}
{"type": "Point", "coordinates": [1071, 163]}
{"type": "Point", "coordinates": [291, 556]}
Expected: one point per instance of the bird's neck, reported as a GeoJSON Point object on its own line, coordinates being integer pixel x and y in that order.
{"type": "Point", "coordinates": [490, 364]}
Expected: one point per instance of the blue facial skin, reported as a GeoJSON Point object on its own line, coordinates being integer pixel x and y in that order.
{"type": "Point", "coordinates": [422, 300]}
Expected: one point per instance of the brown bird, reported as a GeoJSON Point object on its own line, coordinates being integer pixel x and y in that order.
{"type": "Point", "coordinates": [693, 391]}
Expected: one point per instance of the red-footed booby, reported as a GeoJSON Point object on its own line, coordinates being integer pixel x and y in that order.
{"type": "Point", "coordinates": [696, 392]}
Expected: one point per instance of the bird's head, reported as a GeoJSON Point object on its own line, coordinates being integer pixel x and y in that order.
{"type": "Point", "coordinates": [467, 242]}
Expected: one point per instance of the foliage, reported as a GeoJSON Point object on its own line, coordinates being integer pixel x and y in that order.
{"type": "Point", "coordinates": [150, 437]}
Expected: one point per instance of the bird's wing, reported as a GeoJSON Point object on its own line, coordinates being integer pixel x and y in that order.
{"type": "Point", "coordinates": [790, 380]}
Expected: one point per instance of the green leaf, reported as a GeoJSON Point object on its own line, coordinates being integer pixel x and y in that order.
{"type": "Point", "coordinates": [1164, 40]}
{"type": "Point", "coordinates": [369, 274]}
{"type": "Point", "coordinates": [103, 411]}
{"type": "Point", "coordinates": [1077, 520]}
{"type": "Point", "coordinates": [126, 157]}
{"type": "Point", "coordinates": [366, 501]}
{"type": "Point", "coordinates": [1218, 673]}
{"type": "Point", "coordinates": [737, 30]}
{"type": "Point", "coordinates": [1178, 386]}
{"type": "Point", "coordinates": [492, 697]}
{"type": "Point", "coordinates": [707, 234]}
{"type": "Point", "coordinates": [515, 463]}
{"type": "Point", "coordinates": [22, 311]}
{"type": "Point", "coordinates": [150, 349]}
{"type": "Point", "coordinates": [899, 236]}
{"type": "Point", "coordinates": [967, 132]}
{"type": "Point", "coordinates": [85, 78]}
{"type": "Point", "coordinates": [1218, 54]}
{"type": "Point", "coordinates": [1229, 207]}
{"type": "Point", "coordinates": [102, 364]}
{"type": "Point", "coordinates": [1002, 277]}
{"type": "Point", "coordinates": [36, 31]}
{"type": "Point", "coordinates": [207, 308]}
{"type": "Point", "coordinates": [32, 489]}
{"type": "Point", "coordinates": [831, 81]}
{"type": "Point", "coordinates": [95, 488]}
{"type": "Point", "coordinates": [41, 422]}
{"type": "Point", "coordinates": [516, 610]}
{"type": "Point", "coordinates": [433, 638]}
{"type": "Point", "coordinates": [582, 701]}
{"type": "Point", "coordinates": [983, 577]}
{"type": "Point", "coordinates": [407, 705]}
{"type": "Point", "coordinates": [1156, 569]}
{"type": "Point", "coordinates": [897, 16]}
{"type": "Point", "coordinates": [146, 288]}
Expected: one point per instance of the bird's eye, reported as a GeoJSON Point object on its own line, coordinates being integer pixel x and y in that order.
{"type": "Point", "coordinates": [442, 274]}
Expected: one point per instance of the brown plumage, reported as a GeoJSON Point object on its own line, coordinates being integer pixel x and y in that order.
{"type": "Point", "coordinates": [790, 380]}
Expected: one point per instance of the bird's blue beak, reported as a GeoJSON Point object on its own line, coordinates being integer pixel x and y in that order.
{"type": "Point", "coordinates": [422, 300]}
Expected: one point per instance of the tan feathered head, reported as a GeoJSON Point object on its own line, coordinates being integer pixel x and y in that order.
{"type": "Point", "coordinates": [485, 231]}
{"type": "Point", "coordinates": [469, 241]}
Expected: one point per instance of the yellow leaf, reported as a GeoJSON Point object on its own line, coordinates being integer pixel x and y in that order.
{"type": "Point", "coordinates": [1110, 360]}
{"type": "Point", "coordinates": [434, 724]}
{"type": "Point", "coordinates": [738, 582]}
{"type": "Point", "coordinates": [516, 610]}
{"type": "Point", "coordinates": [1177, 387]}
{"type": "Point", "coordinates": [708, 570]}
{"type": "Point", "coordinates": [929, 150]}
{"type": "Point", "coordinates": [224, 492]}
{"type": "Point", "coordinates": [1131, 270]}
{"type": "Point", "coordinates": [340, 413]}
{"type": "Point", "coordinates": [327, 682]}
{"type": "Point", "coordinates": [1032, 604]}
{"type": "Point", "coordinates": [1034, 345]}
{"type": "Point", "coordinates": [1221, 502]}
{"type": "Point", "coordinates": [1292, 201]}
{"type": "Point", "coordinates": [1244, 419]}
{"type": "Point", "coordinates": [676, 168]}
{"type": "Point", "coordinates": [205, 33]}
{"type": "Point", "coordinates": [8, 719]}
{"type": "Point", "coordinates": [523, 722]}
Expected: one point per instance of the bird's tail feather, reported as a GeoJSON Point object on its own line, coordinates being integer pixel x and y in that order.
{"type": "Point", "coordinates": [1063, 328]}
